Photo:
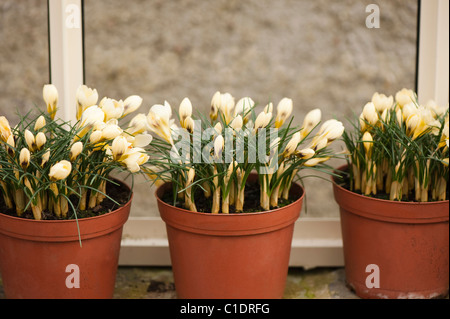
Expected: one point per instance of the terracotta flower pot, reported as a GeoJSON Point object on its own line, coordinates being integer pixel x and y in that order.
{"type": "Point", "coordinates": [43, 259]}
{"type": "Point", "coordinates": [394, 249]}
{"type": "Point", "coordinates": [222, 256]}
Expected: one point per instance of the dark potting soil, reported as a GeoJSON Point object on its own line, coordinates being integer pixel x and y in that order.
{"type": "Point", "coordinates": [344, 181]}
{"type": "Point", "coordinates": [204, 205]}
{"type": "Point", "coordinates": [117, 192]}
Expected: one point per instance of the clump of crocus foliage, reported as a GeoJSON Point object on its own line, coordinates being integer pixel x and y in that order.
{"type": "Point", "coordinates": [44, 161]}
{"type": "Point", "coordinates": [214, 155]}
{"type": "Point", "coordinates": [400, 148]}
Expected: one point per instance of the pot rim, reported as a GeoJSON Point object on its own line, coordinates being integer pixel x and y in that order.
{"type": "Point", "coordinates": [236, 224]}
{"type": "Point", "coordinates": [162, 188]}
{"type": "Point", "coordinates": [60, 221]}
{"type": "Point", "coordinates": [387, 210]}
{"type": "Point", "coordinates": [37, 230]}
{"type": "Point", "coordinates": [343, 167]}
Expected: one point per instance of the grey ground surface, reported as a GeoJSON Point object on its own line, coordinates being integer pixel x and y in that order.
{"type": "Point", "coordinates": [157, 283]}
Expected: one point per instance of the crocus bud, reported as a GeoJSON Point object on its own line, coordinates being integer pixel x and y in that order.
{"type": "Point", "coordinates": [314, 161]}
{"type": "Point", "coordinates": [237, 123]}
{"type": "Point", "coordinates": [5, 129]}
{"type": "Point", "coordinates": [215, 105]}
{"type": "Point", "coordinates": [191, 176]}
{"type": "Point", "coordinates": [40, 140]}
{"type": "Point", "coordinates": [185, 111]}
{"type": "Point", "coordinates": [10, 145]}
{"type": "Point", "coordinates": [30, 139]}
{"type": "Point", "coordinates": [50, 94]}
{"type": "Point", "coordinates": [75, 150]}
{"type": "Point", "coordinates": [218, 128]}
{"type": "Point", "coordinates": [268, 108]}
{"type": "Point", "coordinates": [292, 144]}
{"type": "Point", "coordinates": [40, 123]}
{"type": "Point", "coordinates": [45, 158]}
{"type": "Point", "coordinates": [189, 124]}
{"type": "Point", "coordinates": [119, 147]}
{"type": "Point", "coordinates": [24, 158]}
{"type": "Point", "coordinates": [370, 114]}
{"type": "Point", "coordinates": [311, 120]}
{"type": "Point", "coordinates": [367, 142]}
{"type": "Point", "coordinates": [305, 153]}
{"type": "Point", "coordinates": [262, 120]}
{"type": "Point", "coordinates": [60, 170]}
{"type": "Point", "coordinates": [226, 106]}
{"type": "Point", "coordinates": [243, 107]}
{"type": "Point", "coordinates": [284, 110]}
{"type": "Point", "coordinates": [131, 104]}
{"type": "Point", "coordinates": [219, 143]}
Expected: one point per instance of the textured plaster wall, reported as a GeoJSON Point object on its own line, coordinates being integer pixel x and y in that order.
{"type": "Point", "coordinates": [319, 53]}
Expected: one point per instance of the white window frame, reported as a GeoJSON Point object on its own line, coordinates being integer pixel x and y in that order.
{"type": "Point", "coordinates": [317, 241]}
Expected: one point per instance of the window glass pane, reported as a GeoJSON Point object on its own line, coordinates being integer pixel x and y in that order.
{"type": "Point", "coordinates": [319, 53]}
{"type": "Point", "coordinates": [24, 67]}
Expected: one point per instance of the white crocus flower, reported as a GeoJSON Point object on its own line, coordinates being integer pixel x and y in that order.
{"type": "Point", "coordinates": [113, 109]}
{"type": "Point", "coordinates": [119, 147]}
{"type": "Point", "coordinates": [370, 113]}
{"type": "Point", "coordinates": [134, 158]}
{"type": "Point", "coordinates": [131, 104]}
{"type": "Point", "coordinates": [60, 170]}
{"type": "Point", "coordinates": [159, 121]}
{"type": "Point", "coordinates": [92, 116]}
{"type": "Point", "coordinates": [111, 131]}
{"type": "Point", "coordinates": [382, 102]}
{"type": "Point", "coordinates": [243, 107]}
{"type": "Point", "coordinates": [404, 97]}
{"type": "Point", "coordinates": [85, 97]}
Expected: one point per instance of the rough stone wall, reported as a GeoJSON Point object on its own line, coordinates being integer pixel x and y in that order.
{"type": "Point", "coordinates": [319, 53]}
